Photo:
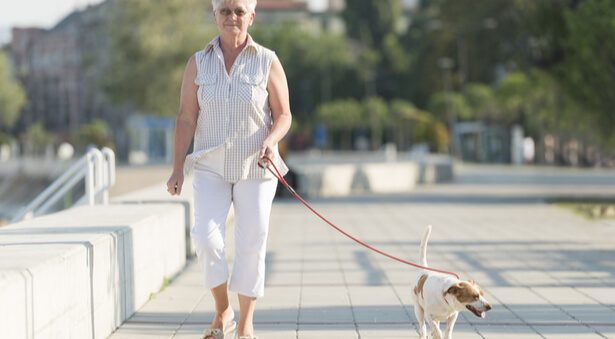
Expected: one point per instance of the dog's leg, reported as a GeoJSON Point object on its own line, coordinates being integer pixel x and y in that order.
{"type": "Point", "coordinates": [435, 328]}
{"type": "Point", "coordinates": [448, 334]}
{"type": "Point", "coordinates": [420, 317]}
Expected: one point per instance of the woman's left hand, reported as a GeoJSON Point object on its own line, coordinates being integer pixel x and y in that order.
{"type": "Point", "coordinates": [266, 152]}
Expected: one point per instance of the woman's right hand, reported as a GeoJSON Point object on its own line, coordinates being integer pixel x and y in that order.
{"type": "Point", "coordinates": [174, 185]}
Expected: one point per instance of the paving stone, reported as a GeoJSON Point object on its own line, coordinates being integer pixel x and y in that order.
{"type": "Point", "coordinates": [547, 272]}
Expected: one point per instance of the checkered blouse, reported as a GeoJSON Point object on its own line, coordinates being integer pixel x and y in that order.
{"type": "Point", "coordinates": [234, 111]}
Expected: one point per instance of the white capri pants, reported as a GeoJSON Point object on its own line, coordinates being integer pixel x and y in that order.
{"type": "Point", "coordinates": [252, 200]}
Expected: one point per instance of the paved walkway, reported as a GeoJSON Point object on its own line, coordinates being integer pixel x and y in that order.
{"type": "Point", "coordinates": [548, 273]}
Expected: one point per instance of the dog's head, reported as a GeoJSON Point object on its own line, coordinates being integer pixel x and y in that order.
{"type": "Point", "coordinates": [470, 295]}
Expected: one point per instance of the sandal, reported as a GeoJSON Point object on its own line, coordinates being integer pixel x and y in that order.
{"type": "Point", "coordinates": [218, 333]}
{"type": "Point", "coordinates": [246, 337]}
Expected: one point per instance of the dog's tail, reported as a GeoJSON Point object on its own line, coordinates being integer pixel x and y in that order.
{"type": "Point", "coordinates": [424, 246]}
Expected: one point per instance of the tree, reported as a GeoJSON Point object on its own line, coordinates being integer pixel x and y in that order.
{"type": "Point", "coordinates": [572, 41]}
{"type": "Point", "coordinates": [342, 115]}
{"type": "Point", "coordinates": [376, 112]}
{"type": "Point", "coordinates": [589, 65]}
{"type": "Point", "coordinates": [151, 43]}
{"type": "Point", "coordinates": [319, 67]}
{"type": "Point", "coordinates": [405, 121]}
{"type": "Point", "coordinates": [36, 139]}
{"type": "Point", "coordinates": [95, 133]}
{"type": "Point", "coordinates": [443, 104]}
{"type": "Point", "coordinates": [482, 38]}
{"type": "Point", "coordinates": [370, 21]}
{"type": "Point", "coordinates": [481, 102]}
{"type": "Point", "coordinates": [12, 95]}
{"type": "Point", "coordinates": [372, 27]}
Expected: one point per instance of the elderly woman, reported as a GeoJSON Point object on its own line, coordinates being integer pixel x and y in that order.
{"type": "Point", "coordinates": [234, 101]}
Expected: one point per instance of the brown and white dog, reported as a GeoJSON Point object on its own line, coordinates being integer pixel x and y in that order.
{"type": "Point", "coordinates": [439, 297]}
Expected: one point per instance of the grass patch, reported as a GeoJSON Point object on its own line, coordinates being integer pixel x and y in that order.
{"type": "Point", "coordinates": [165, 283]}
{"type": "Point", "coordinates": [599, 208]}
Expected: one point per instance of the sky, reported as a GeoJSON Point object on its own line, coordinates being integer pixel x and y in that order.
{"type": "Point", "coordinates": [47, 13]}
{"type": "Point", "coordinates": [36, 13]}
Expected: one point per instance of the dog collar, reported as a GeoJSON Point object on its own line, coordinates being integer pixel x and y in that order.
{"type": "Point", "coordinates": [446, 301]}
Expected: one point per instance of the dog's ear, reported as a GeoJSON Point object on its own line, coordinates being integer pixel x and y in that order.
{"type": "Point", "coordinates": [454, 289]}
{"type": "Point", "coordinates": [475, 284]}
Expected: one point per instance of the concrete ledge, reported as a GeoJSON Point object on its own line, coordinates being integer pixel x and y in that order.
{"type": "Point", "coordinates": [435, 169]}
{"type": "Point", "coordinates": [81, 272]}
{"type": "Point", "coordinates": [386, 178]}
{"type": "Point", "coordinates": [326, 181]}
{"type": "Point", "coordinates": [157, 194]}
{"type": "Point", "coordinates": [331, 174]}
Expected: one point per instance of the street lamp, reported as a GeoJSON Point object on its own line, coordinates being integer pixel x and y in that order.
{"type": "Point", "coordinates": [446, 64]}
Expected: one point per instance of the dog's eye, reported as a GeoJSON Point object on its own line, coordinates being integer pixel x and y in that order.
{"type": "Point", "coordinates": [476, 297]}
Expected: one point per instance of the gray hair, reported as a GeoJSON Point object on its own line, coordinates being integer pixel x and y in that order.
{"type": "Point", "coordinates": [250, 4]}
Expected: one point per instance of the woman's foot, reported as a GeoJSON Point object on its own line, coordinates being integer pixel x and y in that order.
{"type": "Point", "coordinates": [245, 332]}
{"type": "Point", "coordinates": [222, 321]}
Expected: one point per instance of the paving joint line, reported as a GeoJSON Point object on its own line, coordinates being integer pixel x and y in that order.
{"type": "Point", "coordinates": [339, 264]}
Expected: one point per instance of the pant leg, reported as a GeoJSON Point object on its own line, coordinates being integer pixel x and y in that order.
{"type": "Point", "coordinates": [252, 201]}
{"type": "Point", "coordinates": [212, 200]}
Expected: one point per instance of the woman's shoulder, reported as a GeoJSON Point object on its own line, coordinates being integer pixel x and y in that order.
{"type": "Point", "coordinates": [264, 50]}
{"type": "Point", "coordinates": [209, 47]}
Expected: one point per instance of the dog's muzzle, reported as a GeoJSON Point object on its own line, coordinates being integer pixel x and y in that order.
{"type": "Point", "coordinates": [479, 312]}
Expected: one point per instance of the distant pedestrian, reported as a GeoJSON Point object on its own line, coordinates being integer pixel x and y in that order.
{"type": "Point", "coordinates": [528, 150]}
{"type": "Point", "coordinates": [234, 101]}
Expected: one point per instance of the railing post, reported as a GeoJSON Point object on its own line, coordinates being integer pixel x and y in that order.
{"type": "Point", "coordinates": [108, 172]}
{"type": "Point", "coordinates": [95, 167]}
{"type": "Point", "coordinates": [93, 176]}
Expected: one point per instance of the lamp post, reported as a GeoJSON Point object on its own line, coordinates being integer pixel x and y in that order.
{"type": "Point", "coordinates": [446, 64]}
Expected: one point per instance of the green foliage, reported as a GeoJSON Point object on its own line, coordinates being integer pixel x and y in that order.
{"type": "Point", "coordinates": [547, 65]}
{"type": "Point", "coordinates": [36, 139]}
{"type": "Point", "coordinates": [481, 102]}
{"type": "Point", "coordinates": [318, 68]}
{"type": "Point", "coordinates": [6, 138]}
{"type": "Point", "coordinates": [434, 133]}
{"type": "Point", "coordinates": [403, 110]}
{"type": "Point", "coordinates": [376, 111]}
{"type": "Point", "coordinates": [371, 21]}
{"type": "Point", "coordinates": [413, 125]}
{"type": "Point", "coordinates": [341, 114]}
{"type": "Point", "coordinates": [589, 66]}
{"type": "Point", "coordinates": [407, 123]}
{"type": "Point", "coordinates": [12, 95]}
{"type": "Point", "coordinates": [537, 101]}
{"type": "Point", "coordinates": [384, 62]}
{"type": "Point", "coordinates": [95, 133]}
{"type": "Point", "coordinates": [444, 103]}
{"type": "Point", "coordinates": [513, 93]}
{"type": "Point", "coordinates": [152, 41]}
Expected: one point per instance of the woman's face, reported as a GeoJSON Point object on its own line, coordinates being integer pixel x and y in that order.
{"type": "Point", "coordinates": [233, 17]}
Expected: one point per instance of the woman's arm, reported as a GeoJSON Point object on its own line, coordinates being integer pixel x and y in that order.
{"type": "Point", "coordinates": [277, 86]}
{"type": "Point", "coordinates": [185, 125]}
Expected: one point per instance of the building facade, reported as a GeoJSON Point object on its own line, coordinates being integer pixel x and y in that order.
{"type": "Point", "coordinates": [61, 68]}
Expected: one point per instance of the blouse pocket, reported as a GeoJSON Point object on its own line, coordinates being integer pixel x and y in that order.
{"type": "Point", "coordinates": [253, 88]}
{"type": "Point", "coordinates": [206, 79]}
{"type": "Point", "coordinates": [207, 88]}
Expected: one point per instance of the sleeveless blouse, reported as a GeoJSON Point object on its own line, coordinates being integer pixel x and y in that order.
{"type": "Point", "coordinates": [234, 113]}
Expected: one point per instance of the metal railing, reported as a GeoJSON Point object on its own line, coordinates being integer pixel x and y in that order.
{"type": "Point", "coordinates": [97, 167]}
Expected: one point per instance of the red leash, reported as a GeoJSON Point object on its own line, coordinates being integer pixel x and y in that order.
{"type": "Point", "coordinates": [296, 195]}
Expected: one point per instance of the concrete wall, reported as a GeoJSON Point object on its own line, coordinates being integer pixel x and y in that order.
{"type": "Point", "coordinates": [81, 272]}
{"type": "Point", "coordinates": [157, 194]}
{"type": "Point", "coordinates": [343, 174]}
